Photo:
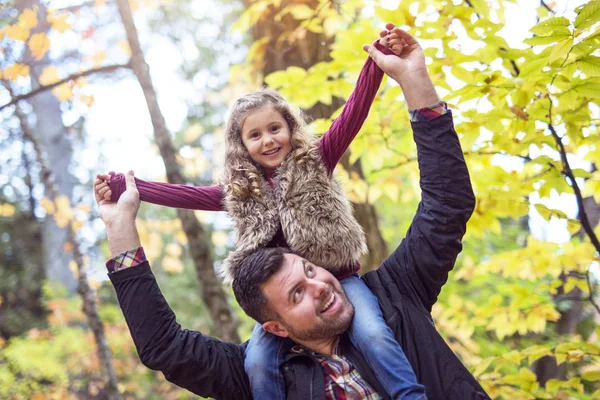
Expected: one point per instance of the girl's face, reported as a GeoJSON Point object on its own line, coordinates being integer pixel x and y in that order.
{"type": "Point", "coordinates": [266, 135]}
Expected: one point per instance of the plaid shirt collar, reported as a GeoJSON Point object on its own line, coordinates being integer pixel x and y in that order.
{"type": "Point", "coordinates": [342, 380]}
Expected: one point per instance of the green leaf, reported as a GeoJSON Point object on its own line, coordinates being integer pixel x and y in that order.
{"type": "Point", "coordinates": [539, 352]}
{"type": "Point", "coordinates": [483, 365]}
{"type": "Point", "coordinates": [591, 376]}
{"type": "Point", "coordinates": [589, 65]}
{"type": "Point", "coordinates": [301, 11]}
{"type": "Point", "coordinates": [547, 213]}
{"type": "Point", "coordinates": [590, 90]}
{"type": "Point", "coordinates": [560, 50]}
{"type": "Point", "coordinates": [462, 74]}
{"type": "Point", "coordinates": [527, 375]}
{"type": "Point", "coordinates": [553, 385]}
{"type": "Point", "coordinates": [541, 40]}
{"type": "Point", "coordinates": [533, 66]}
{"type": "Point", "coordinates": [588, 15]}
{"type": "Point", "coordinates": [549, 25]}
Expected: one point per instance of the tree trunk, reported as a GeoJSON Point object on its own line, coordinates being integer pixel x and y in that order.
{"type": "Point", "coordinates": [212, 292]}
{"type": "Point", "coordinates": [546, 368]}
{"type": "Point", "coordinates": [51, 134]}
{"type": "Point", "coordinates": [310, 50]}
{"type": "Point", "coordinates": [88, 295]}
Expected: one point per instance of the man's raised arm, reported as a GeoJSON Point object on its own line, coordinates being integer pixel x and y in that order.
{"type": "Point", "coordinates": [420, 265]}
{"type": "Point", "coordinates": [198, 363]}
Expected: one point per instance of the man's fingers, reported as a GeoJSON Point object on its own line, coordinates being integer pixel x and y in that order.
{"type": "Point", "coordinates": [383, 33]}
{"type": "Point", "coordinates": [103, 191]}
{"type": "Point", "coordinates": [104, 177]}
{"type": "Point", "coordinates": [410, 40]}
{"type": "Point", "coordinates": [96, 194]}
{"type": "Point", "coordinates": [373, 53]}
{"type": "Point", "coordinates": [130, 181]}
{"type": "Point", "coordinates": [389, 26]}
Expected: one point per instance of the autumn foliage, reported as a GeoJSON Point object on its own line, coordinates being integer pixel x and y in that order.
{"type": "Point", "coordinates": [521, 307]}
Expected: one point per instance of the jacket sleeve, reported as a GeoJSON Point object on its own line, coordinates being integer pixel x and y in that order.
{"type": "Point", "coordinates": [205, 198]}
{"type": "Point", "coordinates": [203, 365]}
{"type": "Point", "coordinates": [420, 265]}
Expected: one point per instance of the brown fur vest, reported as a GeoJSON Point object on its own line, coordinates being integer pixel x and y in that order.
{"type": "Point", "coordinates": [313, 211]}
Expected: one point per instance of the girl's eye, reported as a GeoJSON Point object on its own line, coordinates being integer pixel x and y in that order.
{"type": "Point", "coordinates": [275, 128]}
{"type": "Point", "coordinates": [254, 135]}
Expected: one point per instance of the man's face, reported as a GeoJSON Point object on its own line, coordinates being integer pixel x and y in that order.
{"type": "Point", "coordinates": [310, 302]}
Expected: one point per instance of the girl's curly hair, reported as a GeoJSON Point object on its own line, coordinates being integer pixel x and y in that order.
{"type": "Point", "coordinates": [242, 175]}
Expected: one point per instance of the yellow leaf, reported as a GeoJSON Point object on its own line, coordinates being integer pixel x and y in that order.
{"type": "Point", "coordinates": [15, 71]}
{"type": "Point", "coordinates": [560, 50]}
{"type": "Point", "coordinates": [301, 11]}
{"type": "Point", "coordinates": [48, 205]}
{"type": "Point", "coordinates": [591, 376]}
{"type": "Point", "coordinates": [49, 75]}
{"type": "Point", "coordinates": [98, 57]}
{"type": "Point", "coordinates": [16, 32]}
{"type": "Point", "coordinates": [74, 269]}
{"type": "Point", "coordinates": [87, 99]}
{"type": "Point", "coordinates": [28, 18]}
{"type": "Point", "coordinates": [76, 225]}
{"type": "Point", "coordinates": [59, 22]}
{"type": "Point", "coordinates": [63, 92]}
{"type": "Point", "coordinates": [173, 249]}
{"type": "Point", "coordinates": [7, 210]}
{"type": "Point", "coordinates": [68, 247]}
{"type": "Point", "coordinates": [124, 45]}
{"type": "Point", "coordinates": [94, 284]}
{"type": "Point", "coordinates": [62, 203]}
{"type": "Point", "coordinates": [220, 238]}
{"type": "Point", "coordinates": [172, 265]}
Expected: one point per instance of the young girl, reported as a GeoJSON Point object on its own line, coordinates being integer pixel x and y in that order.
{"type": "Point", "coordinates": [279, 190]}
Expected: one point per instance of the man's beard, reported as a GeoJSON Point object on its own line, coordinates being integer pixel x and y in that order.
{"type": "Point", "coordinates": [325, 328]}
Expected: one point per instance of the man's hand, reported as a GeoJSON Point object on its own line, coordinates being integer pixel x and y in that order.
{"type": "Point", "coordinates": [125, 209]}
{"type": "Point", "coordinates": [409, 57]}
{"type": "Point", "coordinates": [120, 217]}
{"type": "Point", "coordinates": [407, 66]}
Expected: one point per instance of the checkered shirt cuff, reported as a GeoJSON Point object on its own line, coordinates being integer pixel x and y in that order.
{"type": "Point", "coordinates": [128, 259]}
{"type": "Point", "coordinates": [428, 113]}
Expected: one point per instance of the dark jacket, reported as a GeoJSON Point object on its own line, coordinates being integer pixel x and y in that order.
{"type": "Point", "coordinates": [407, 285]}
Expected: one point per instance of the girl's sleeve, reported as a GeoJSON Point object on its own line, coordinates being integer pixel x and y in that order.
{"type": "Point", "coordinates": [206, 198]}
{"type": "Point", "coordinates": [337, 139]}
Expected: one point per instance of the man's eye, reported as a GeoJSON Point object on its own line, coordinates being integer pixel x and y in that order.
{"type": "Point", "coordinates": [310, 270]}
{"type": "Point", "coordinates": [297, 294]}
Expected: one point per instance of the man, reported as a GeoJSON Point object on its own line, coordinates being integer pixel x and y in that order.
{"type": "Point", "coordinates": [293, 298]}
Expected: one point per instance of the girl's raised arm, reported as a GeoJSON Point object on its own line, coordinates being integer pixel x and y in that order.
{"type": "Point", "coordinates": [337, 139]}
{"type": "Point", "coordinates": [206, 198]}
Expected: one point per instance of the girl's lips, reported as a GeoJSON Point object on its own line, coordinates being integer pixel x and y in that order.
{"type": "Point", "coordinates": [271, 152]}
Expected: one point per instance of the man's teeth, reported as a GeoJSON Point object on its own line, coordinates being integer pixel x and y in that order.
{"type": "Point", "coordinates": [328, 304]}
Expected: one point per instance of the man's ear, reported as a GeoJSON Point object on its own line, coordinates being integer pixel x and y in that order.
{"type": "Point", "coordinates": [276, 328]}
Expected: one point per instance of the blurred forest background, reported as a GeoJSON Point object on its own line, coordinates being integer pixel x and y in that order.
{"type": "Point", "coordinates": [93, 86]}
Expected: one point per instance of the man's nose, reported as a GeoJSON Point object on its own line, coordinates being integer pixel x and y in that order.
{"type": "Point", "coordinates": [319, 288]}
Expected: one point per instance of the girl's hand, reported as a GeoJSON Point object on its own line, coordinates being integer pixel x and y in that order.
{"type": "Point", "coordinates": [101, 187]}
{"type": "Point", "coordinates": [409, 59]}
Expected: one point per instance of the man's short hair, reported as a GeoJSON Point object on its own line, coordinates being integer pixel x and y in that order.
{"type": "Point", "coordinates": [255, 270]}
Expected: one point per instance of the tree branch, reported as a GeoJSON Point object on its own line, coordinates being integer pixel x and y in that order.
{"type": "Point", "coordinates": [43, 88]}
{"type": "Point", "coordinates": [585, 223]}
